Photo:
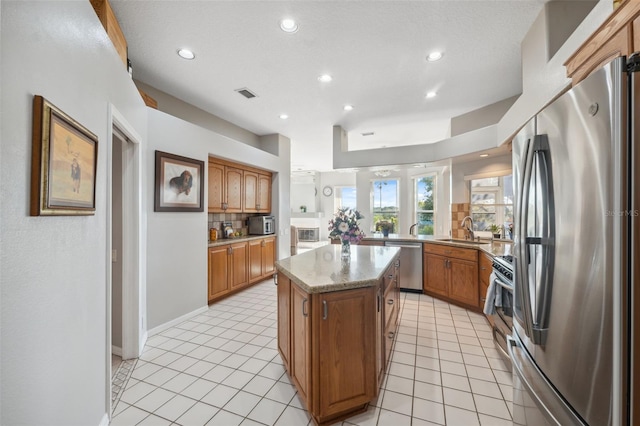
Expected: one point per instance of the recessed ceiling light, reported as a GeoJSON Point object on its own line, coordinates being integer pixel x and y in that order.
{"type": "Point", "coordinates": [431, 95]}
{"type": "Point", "coordinates": [325, 78]}
{"type": "Point", "coordinates": [434, 56]}
{"type": "Point", "coordinates": [484, 155]}
{"type": "Point", "coordinates": [288, 25]}
{"type": "Point", "coordinates": [186, 54]}
{"type": "Point", "coordinates": [348, 107]}
{"type": "Point", "coordinates": [284, 116]}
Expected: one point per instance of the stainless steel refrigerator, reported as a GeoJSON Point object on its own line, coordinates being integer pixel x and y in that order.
{"type": "Point", "coordinates": [576, 255]}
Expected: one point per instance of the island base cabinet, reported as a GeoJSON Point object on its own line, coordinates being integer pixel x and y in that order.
{"type": "Point", "coordinates": [345, 327]}
{"type": "Point", "coordinates": [328, 344]}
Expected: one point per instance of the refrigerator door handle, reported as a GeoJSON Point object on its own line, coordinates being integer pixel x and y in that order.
{"type": "Point", "coordinates": [521, 284]}
{"type": "Point", "coordinates": [543, 243]}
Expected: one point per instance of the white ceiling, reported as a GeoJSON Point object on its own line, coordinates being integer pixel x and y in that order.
{"type": "Point", "coordinates": [375, 51]}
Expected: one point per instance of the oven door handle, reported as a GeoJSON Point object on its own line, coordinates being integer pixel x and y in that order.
{"type": "Point", "coordinates": [504, 285]}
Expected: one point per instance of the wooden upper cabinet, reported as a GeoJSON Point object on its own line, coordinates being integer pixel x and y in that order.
{"type": "Point", "coordinates": [264, 194]}
{"type": "Point", "coordinates": [216, 194]}
{"type": "Point", "coordinates": [234, 188]}
{"type": "Point", "coordinates": [233, 183]}
{"type": "Point", "coordinates": [617, 36]}
{"type": "Point", "coordinates": [250, 192]}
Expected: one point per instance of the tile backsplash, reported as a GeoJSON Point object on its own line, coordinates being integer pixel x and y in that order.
{"type": "Point", "coordinates": [458, 212]}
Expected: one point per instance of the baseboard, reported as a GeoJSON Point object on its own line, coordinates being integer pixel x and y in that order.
{"type": "Point", "coordinates": [115, 350]}
{"type": "Point", "coordinates": [105, 420]}
{"type": "Point", "coordinates": [169, 324]}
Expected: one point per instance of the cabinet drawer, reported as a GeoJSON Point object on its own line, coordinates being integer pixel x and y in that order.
{"type": "Point", "coordinates": [390, 306]}
{"type": "Point", "coordinates": [450, 251]}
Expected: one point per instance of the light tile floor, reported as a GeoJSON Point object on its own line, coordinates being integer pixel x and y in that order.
{"type": "Point", "coordinates": [223, 368]}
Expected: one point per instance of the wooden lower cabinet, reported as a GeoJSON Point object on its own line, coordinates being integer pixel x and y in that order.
{"type": "Point", "coordinates": [336, 345]}
{"type": "Point", "coordinates": [218, 271]}
{"type": "Point", "coordinates": [453, 277]}
{"type": "Point", "coordinates": [284, 315]}
{"type": "Point", "coordinates": [234, 266]}
{"type": "Point", "coordinates": [262, 258]}
{"type": "Point", "coordinates": [484, 273]}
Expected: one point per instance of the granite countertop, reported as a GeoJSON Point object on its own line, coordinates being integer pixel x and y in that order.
{"type": "Point", "coordinates": [492, 248]}
{"type": "Point", "coordinates": [322, 270]}
{"type": "Point", "coordinates": [224, 241]}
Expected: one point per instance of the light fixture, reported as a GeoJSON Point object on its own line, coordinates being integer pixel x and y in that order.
{"type": "Point", "coordinates": [382, 173]}
{"type": "Point", "coordinates": [325, 78]}
{"type": "Point", "coordinates": [434, 56]}
{"type": "Point", "coordinates": [288, 25]}
{"type": "Point", "coordinates": [431, 95]}
{"type": "Point", "coordinates": [186, 54]}
{"type": "Point", "coordinates": [484, 155]}
{"type": "Point", "coordinates": [348, 108]}
{"type": "Point", "coordinates": [284, 116]}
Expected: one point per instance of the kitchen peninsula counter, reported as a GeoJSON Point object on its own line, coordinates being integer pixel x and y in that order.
{"type": "Point", "coordinates": [492, 248]}
{"type": "Point", "coordinates": [337, 321]}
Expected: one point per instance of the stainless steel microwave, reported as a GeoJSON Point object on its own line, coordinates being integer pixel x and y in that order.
{"type": "Point", "coordinates": [262, 225]}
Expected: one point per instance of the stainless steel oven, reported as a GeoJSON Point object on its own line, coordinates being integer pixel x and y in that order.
{"type": "Point", "coordinates": [502, 318]}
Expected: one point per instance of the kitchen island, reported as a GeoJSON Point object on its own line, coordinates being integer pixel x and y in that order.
{"type": "Point", "coordinates": [337, 320]}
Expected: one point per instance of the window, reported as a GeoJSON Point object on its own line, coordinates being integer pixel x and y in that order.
{"type": "Point", "coordinates": [345, 197]}
{"type": "Point", "coordinates": [385, 203]}
{"type": "Point", "coordinates": [492, 203]}
{"type": "Point", "coordinates": [424, 190]}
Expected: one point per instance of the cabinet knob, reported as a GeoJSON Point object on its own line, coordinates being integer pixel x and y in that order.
{"type": "Point", "coordinates": [390, 302]}
{"type": "Point", "coordinates": [390, 276]}
{"type": "Point", "coordinates": [391, 334]}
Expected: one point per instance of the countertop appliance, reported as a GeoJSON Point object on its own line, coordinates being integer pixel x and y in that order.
{"type": "Point", "coordinates": [410, 265]}
{"type": "Point", "coordinates": [262, 225]}
{"type": "Point", "coordinates": [502, 324]}
{"type": "Point", "coordinates": [577, 255]}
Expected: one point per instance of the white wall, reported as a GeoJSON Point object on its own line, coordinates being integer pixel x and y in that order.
{"type": "Point", "coordinates": [54, 291]}
{"type": "Point", "coordinates": [460, 188]}
{"type": "Point", "coordinates": [177, 242]}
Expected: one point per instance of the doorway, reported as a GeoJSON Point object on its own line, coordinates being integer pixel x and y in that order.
{"type": "Point", "coordinates": [126, 254]}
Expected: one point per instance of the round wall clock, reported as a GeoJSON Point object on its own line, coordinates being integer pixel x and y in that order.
{"type": "Point", "coordinates": [327, 191]}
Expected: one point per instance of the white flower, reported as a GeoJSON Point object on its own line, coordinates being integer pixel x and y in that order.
{"type": "Point", "coordinates": [343, 227]}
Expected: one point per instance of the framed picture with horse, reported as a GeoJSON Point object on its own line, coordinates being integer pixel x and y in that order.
{"type": "Point", "coordinates": [179, 184]}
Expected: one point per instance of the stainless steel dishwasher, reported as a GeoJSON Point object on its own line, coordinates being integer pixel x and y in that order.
{"type": "Point", "coordinates": [410, 265]}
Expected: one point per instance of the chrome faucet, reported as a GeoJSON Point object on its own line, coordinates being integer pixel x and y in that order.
{"type": "Point", "coordinates": [412, 228]}
{"type": "Point", "coordinates": [468, 228]}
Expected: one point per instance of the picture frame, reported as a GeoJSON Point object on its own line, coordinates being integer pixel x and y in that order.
{"type": "Point", "coordinates": [64, 162]}
{"type": "Point", "coordinates": [179, 184]}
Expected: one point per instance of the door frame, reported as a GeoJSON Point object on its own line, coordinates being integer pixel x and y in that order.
{"type": "Point", "coordinates": [133, 256]}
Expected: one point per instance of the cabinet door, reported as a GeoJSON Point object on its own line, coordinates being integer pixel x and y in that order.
{"type": "Point", "coordinates": [218, 271]}
{"type": "Point", "coordinates": [435, 274]}
{"type": "Point", "coordinates": [380, 349]}
{"type": "Point", "coordinates": [255, 260]}
{"type": "Point", "coordinates": [268, 256]}
{"type": "Point", "coordinates": [345, 324]}
{"type": "Point", "coordinates": [216, 188]}
{"type": "Point", "coordinates": [284, 318]}
{"type": "Point", "coordinates": [464, 281]}
{"type": "Point", "coordinates": [484, 274]}
{"type": "Point", "coordinates": [238, 265]}
{"type": "Point", "coordinates": [250, 192]}
{"type": "Point", "coordinates": [264, 194]}
{"type": "Point", "coordinates": [233, 186]}
{"type": "Point", "coordinates": [300, 362]}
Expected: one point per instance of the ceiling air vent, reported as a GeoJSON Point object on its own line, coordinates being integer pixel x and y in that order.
{"type": "Point", "coordinates": [246, 93]}
{"type": "Point", "coordinates": [368, 134]}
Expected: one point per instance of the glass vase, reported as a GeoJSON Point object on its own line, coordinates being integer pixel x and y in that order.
{"type": "Point", "coordinates": [345, 253]}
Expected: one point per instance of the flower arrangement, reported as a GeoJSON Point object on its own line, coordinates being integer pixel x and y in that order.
{"type": "Point", "coordinates": [344, 226]}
